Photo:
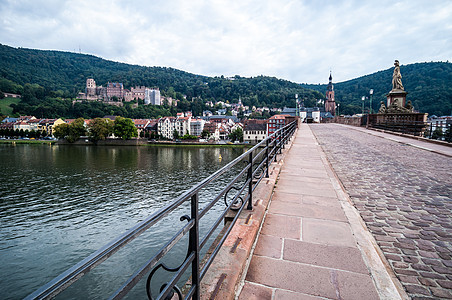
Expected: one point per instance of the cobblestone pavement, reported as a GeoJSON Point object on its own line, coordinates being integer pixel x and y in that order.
{"type": "Point", "coordinates": [404, 194]}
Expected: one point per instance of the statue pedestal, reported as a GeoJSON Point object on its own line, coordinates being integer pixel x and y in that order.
{"type": "Point", "coordinates": [398, 96]}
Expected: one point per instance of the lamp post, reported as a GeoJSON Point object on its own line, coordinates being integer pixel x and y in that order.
{"type": "Point", "coordinates": [362, 109]}
{"type": "Point", "coordinates": [338, 109]}
{"type": "Point", "coordinates": [371, 92]}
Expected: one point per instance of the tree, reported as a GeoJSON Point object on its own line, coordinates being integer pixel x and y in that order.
{"type": "Point", "coordinates": [205, 134]}
{"type": "Point", "coordinates": [61, 131]}
{"type": "Point", "coordinates": [176, 134]}
{"type": "Point", "coordinates": [70, 132]}
{"type": "Point", "coordinates": [99, 129]}
{"type": "Point", "coordinates": [76, 130]}
{"type": "Point", "coordinates": [124, 128]}
{"type": "Point", "coordinates": [236, 135]}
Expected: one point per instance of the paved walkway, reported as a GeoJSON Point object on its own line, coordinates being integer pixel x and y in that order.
{"type": "Point", "coordinates": [308, 244]}
{"type": "Point", "coordinates": [404, 195]}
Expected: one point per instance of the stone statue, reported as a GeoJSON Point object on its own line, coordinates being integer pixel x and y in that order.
{"type": "Point", "coordinates": [409, 106]}
{"type": "Point", "coordinates": [397, 77]}
{"type": "Point", "coordinates": [382, 109]}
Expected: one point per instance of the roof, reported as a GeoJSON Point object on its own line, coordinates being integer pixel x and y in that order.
{"type": "Point", "coordinates": [9, 120]}
{"type": "Point", "coordinates": [276, 117]}
{"type": "Point", "coordinates": [140, 121]}
{"type": "Point", "coordinates": [290, 111]}
{"type": "Point", "coordinates": [255, 126]}
{"type": "Point", "coordinates": [34, 121]}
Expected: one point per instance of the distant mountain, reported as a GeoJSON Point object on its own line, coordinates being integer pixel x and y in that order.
{"type": "Point", "coordinates": [429, 87]}
{"type": "Point", "coordinates": [67, 72]}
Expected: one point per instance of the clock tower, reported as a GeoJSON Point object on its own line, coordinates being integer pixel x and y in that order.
{"type": "Point", "coordinates": [330, 104]}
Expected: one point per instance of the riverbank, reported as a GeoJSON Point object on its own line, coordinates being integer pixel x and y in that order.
{"type": "Point", "coordinates": [27, 142]}
{"type": "Point", "coordinates": [148, 143]}
{"type": "Point", "coordinates": [131, 142]}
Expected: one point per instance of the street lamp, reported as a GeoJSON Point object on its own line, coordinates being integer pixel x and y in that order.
{"type": "Point", "coordinates": [338, 109]}
{"type": "Point", "coordinates": [362, 110]}
{"type": "Point", "coordinates": [371, 92]}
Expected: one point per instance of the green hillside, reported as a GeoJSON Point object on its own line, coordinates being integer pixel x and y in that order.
{"type": "Point", "coordinates": [67, 72]}
{"type": "Point", "coordinates": [428, 85]}
{"type": "Point", "coordinates": [45, 78]}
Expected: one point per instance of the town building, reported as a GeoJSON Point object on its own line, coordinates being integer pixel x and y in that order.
{"type": "Point", "coordinates": [197, 126]}
{"type": "Point", "coordinates": [310, 114]}
{"type": "Point", "coordinates": [141, 125]}
{"type": "Point", "coordinates": [182, 125]}
{"type": "Point", "coordinates": [213, 130]}
{"type": "Point", "coordinates": [152, 96]}
{"type": "Point", "coordinates": [276, 122]}
{"type": "Point", "coordinates": [254, 131]}
{"type": "Point", "coordinates": [165, 127]}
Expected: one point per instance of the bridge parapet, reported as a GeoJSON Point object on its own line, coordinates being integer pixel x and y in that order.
{"type": "Point", "coordinates": [244, 193]}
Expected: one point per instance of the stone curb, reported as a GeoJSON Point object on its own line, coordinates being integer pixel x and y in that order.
{"type": "Point", "coordinates": [223, 278]}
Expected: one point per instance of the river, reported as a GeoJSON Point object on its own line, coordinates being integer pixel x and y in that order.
{"type": "Point", "coordinates": [61, 203]}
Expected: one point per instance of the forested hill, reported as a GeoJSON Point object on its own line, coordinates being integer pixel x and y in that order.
{"type": "Point", "coordinates": [67, 73]}
{"type": "Point", "coordinates": [429, 87]}
{"type": "Point", "coordinates": [63, 75]}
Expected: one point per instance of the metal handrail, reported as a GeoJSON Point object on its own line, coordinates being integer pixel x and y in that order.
{"type": "Point", "coordinates": [266, 153]}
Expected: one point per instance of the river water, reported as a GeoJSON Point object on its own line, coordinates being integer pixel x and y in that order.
{"type": "Point", "coordinates": [59, 204]}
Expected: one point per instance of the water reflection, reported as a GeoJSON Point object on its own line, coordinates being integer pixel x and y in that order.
{"type": "Point", "coordinates": [60, 203]}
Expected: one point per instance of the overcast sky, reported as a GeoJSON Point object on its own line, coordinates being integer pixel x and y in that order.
{"type": "Point", "coordinates": [295, 40]}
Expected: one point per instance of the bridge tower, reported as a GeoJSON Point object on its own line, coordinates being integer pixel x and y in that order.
{"type": "Point", "coordinates": [330, 104]}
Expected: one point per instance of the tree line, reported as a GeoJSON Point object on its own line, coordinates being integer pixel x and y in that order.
{"type": "Point", "coordinates": [98, 129]}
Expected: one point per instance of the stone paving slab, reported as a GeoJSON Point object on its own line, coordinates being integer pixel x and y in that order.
{"type": "Point", "coordinates": [404, 195]}
{"type": "Point", "coordinates": [306, 248]}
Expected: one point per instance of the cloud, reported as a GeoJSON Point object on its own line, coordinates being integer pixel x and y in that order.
{"type": "Point", "coordinates": [295, 40]}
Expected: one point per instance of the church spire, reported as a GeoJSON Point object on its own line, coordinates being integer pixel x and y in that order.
{"type": "Point", "coordinates": [330, 104]}
{"type": "Point", "coordinates": [330, 83]}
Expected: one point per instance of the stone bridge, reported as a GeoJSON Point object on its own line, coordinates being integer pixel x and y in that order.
{"type": "Point", "coordinates": [350, 214]}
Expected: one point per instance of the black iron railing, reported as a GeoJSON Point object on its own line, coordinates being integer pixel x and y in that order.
{"type": "Point", "coordinates": [237, 194]}
{"type": "Point", "coordinates": [433, 130]}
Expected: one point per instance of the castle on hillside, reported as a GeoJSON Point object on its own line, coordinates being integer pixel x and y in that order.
{"type": "Point", "coordinates": [115, 93]}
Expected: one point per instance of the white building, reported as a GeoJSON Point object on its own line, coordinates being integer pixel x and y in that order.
{"type": "Point", "coordinates": [152, 96]}
{"type": "Point", "coordinates": [182, 125]}
{"type": "Point", "coordinates": [255, 131]}
{"type": "Point", "coordinates": [196, 126]}
{"type": "Point", "coordinates": [165, 127]}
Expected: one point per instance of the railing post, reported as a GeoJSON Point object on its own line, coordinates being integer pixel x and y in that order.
{"type": "Point", "coordinates": [450, 132]}
{"type": "Point", "coordinates": [280, 142]}
{"type": "Point", "coordinates": [283, 136]}
{"type": "Point", "coordinates": [275, 150]}
{"type": "Point", "coordinates": [250, 184]}
{"type": "Point", "coordinates": [267, 158]}
{"type": "Point", "coordinates": [194, 245]}
{"type": "Point", "coordinates": [431, 130]}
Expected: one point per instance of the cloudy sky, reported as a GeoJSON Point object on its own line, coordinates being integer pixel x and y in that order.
{"type": "Point", "coordinates": [294, 40]}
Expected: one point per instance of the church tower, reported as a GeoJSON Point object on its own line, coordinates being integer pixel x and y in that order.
{"type": "Point", "coordinates": [330, 104]}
